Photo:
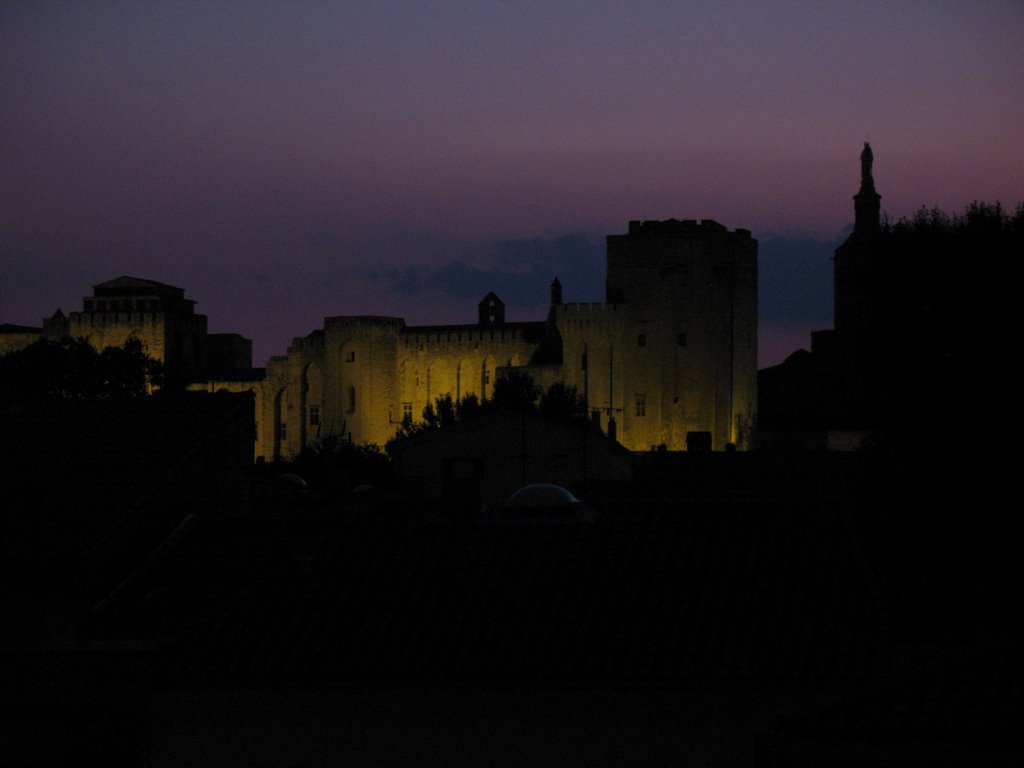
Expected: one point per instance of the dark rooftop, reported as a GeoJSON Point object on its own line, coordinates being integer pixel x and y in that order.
{"type": "Point", "coordinates": [659, 596]}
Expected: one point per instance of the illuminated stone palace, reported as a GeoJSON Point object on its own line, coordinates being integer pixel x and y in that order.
{"type": "Point", "coordinates": [669, 359]}
{"type": "Point", "coordinates": [670, 354]}
{"type": "Point", "coordinates": [156, 314]}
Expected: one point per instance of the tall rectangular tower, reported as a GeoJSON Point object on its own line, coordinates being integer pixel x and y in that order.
{"type": "Point", "coordinates": [687, 359]}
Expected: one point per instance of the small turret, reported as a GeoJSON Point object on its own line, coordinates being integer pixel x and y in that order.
{"type": "Point", "coordinates": [556, 293]}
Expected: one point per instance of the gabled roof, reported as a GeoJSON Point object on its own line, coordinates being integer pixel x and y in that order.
{"type": "Point", "coordinates": [492, 296]}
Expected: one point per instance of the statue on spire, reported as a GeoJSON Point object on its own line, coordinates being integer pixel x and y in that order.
{"type": "Point", "coordinates": [867, 203]}
{"type": "Point", "coordinates": [867, 181]}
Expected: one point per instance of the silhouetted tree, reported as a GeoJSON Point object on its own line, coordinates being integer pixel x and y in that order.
{"type": "Point", "coordinates": [332, 463]}
{"type": "Point", "coordinates": [940, 288]}
{"type": "Point", "coordinates": [430, 417]}
{"type": "Point", "coordinates": [515, 391]}
{"type": "Point", "coordinates": [441, 413]}
{"type": "Point", "coordinates": [445, 409]}
{"type": "Point", "coordinates": [71, 369]}
{"type": "Point", "coordinates": [469, 407]}
{"type": "Point", "coordinates": [561, 402]}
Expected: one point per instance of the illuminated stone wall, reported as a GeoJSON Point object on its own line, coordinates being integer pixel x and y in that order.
{"type": "Point", "coordinates": [161, 318]}
{"type": "Point", "coordinates": [112, 329]}
{"type": "Point", "coordinates": [673, 350]}
{"type": "Point", "coordinates": [15, 337]}
{"type": "Point", "coordinates": [357, 377]}
{"type": "Point", "coordinates": [459, 360]}
{"type": "Point", "coordinates": [687, 354]}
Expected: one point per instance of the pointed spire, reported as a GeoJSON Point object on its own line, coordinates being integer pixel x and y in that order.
{"type": "Point", "coordinates": [867, 203]}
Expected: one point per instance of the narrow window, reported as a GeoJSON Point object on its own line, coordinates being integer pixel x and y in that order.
{"type": "Point", "coordinates": [406, 411]}
{"type": "Point", "coordinates": [641, 404]}
{"type": "Point", "coordinates": [350, 356]}
{"type": "Point", "coordinates": [314, 415]}
{"type": "Point", "coordinates": [351, 399]}
{"type": "Point", "coordinates": [282, 431]}
{"type": "Point", "coordinates": [641, 340]}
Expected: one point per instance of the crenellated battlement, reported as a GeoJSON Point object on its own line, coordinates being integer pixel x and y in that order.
{"type": "Point", "coordinates": [591, 307]}
{"type": "Point", "coordinates": [471, 335]}
{"type": "Point", "coordinates": [364, 321]}
{"type": "Point", "coordinates": [683, 226]}
{"type": "Point", "coordinates": [454, 335]}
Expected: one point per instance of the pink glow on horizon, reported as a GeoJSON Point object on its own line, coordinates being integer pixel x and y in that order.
{"type": "Point", "coordinates": [207, 145]}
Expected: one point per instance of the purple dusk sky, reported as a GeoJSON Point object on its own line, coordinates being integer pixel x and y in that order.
{"type": "Point", "coordinates": [284, 162]}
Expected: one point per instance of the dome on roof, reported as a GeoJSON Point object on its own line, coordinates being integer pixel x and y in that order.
{"type": "Point", "coordinates": [544, 504]}
{"type": "Point", "coordinates": [293, 480]}
{"type": "Point", "coordinates": [542, 495]}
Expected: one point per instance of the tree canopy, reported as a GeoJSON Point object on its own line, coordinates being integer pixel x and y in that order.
{"type": "Point", "coordinates": [72, 369]}
{"type": "Point", "coordinates": [514, 391]}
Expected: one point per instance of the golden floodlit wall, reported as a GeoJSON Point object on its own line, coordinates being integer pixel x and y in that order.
{"type": "Point", "coordinates": [670, 352]}
{"type": "Point", "coordinates": [688, 356]}
{"type": "Point", "coordinates": [358, 377]}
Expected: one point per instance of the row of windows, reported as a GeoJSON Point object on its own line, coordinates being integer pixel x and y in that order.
{"type": "Point", "coordinates": [123, 305]}
{"type": "Point", "coordinates": [641, 340]}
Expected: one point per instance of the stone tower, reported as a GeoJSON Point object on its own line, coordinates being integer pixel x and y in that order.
{"type": "Point", "coordinates": [673, 350]}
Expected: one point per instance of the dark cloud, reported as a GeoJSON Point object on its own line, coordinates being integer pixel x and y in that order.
{"type": "Point", "coordinates": [519, 271]}
{"type": "Point", "coordinates": [795, 275]}
{"type": "Point", "coordinates": [406, 280]}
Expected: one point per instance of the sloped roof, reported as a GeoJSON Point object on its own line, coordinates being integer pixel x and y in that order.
{"type": "Point", "coordinates": [13, 328]}
{"type": "Point", "coordinates": [131, 285]}
{"type": "Point", "coordinates": [90, 486]}
{"type": "Point", "coordinates": [965, 701]}
{"type": "Point", "coordinates": [126, 281]}
{"type": "Point", "coordinates": [644, 596]}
